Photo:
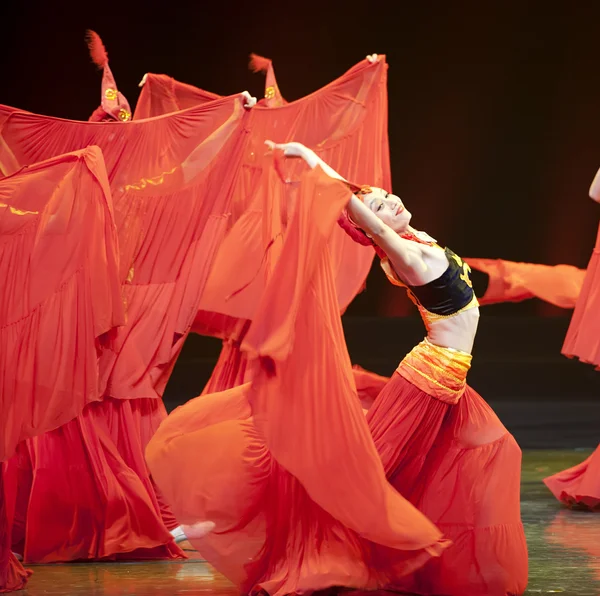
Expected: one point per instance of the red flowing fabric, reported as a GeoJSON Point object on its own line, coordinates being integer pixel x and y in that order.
{"type": "Point", "coordinates": [295, 486]}
{"type": "Point", "coordinates": [579, 486]}
{"type": "Point", "coordinates": [60, 292]}
{"type": "Point", "coordinates": [162, 94]}
{"type": "Point", "coordinates": [583, 336]}
{"type": "Point", "coordinates": [460, 467]}
{"type": "Point", "coordinates": [343, 121]}
{"type": "Point", "coordinates": [61, 297]}
{"type": "Point", "coordinates": [172, 184]}
{"type": "Point", "coordinates": [513, 282]}
{"type": "Point", "coordinates": [368, 385]}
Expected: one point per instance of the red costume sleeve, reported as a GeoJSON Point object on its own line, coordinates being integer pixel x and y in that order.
{"type": "Point", "coordinates": [513, 282]}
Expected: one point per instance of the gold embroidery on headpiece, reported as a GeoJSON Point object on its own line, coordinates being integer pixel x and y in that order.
{"type": "Point", "coordinates": [110, 94]}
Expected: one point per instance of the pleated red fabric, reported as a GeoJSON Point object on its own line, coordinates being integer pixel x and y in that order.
{"type": "Point", "coordinates": [60, 301]}
{"type": "Point", "coordinates": [460, 467]}
{"type": "Point", "coordinates": [105, 489]}
{"type": "Point", "coordinates": [170, 173]}
{"type": "Point", "coordinates": [579, 486]}
{"type": "Point", "coordinates": [296, 488]}
{"type": "Point", "coordinates": [60, 294]}
{"type": "Point", "coordinates": [340, 121]}
{"type": "Point", "coordinates": [12, 574]}
{"type": "Point", "coordinates": [583, 336]}
{"type": "Point", "coordinates": [162, 94]}
{"type": "Point", "coordinates": [513, 282]}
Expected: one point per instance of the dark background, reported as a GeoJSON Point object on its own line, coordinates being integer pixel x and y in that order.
{"type": "Point", "coordinates": [494, 134]}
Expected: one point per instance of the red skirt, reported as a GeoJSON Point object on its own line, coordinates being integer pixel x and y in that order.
{"type": "Point", "coordinates": [85, 491]}
{"type": "Point", "coordinates": [12, 574]}
{"type": "Point", "coordinates": [578, 486]}
{"type": "Point", "coordinates": [270, 534]}
{"type": "Point", "coordinates": [583, 337]}
{"type": "Point", "coordinates": [460, 467]}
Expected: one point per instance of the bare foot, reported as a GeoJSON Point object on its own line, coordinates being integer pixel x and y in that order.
{"type": "Point", "coordinates": [199, 530]}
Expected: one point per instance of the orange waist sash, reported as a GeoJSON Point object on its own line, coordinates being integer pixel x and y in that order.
{"type": "Point", "coordinates": [439, 372]}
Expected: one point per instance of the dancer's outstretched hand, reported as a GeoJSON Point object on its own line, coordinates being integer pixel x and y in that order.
{"type": "Point", "coordinates": [292, 149]}
{"type": "Point", "coordinates": [143, 81]}
{"type": "Point", "coordinates": [372, 58]}
{"type": "Point", "coordinates": [250, 101]}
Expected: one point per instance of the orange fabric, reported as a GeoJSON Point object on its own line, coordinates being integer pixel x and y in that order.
{"type": "Point", "coordinates": [583, 336]}
{"type": "Point", "coordinates": [578, 486]}
{"type": "Point", "coordinates": [343, 121]}
{"type": "Point", "coordinates": [368, 385]}
{"type": "Point", "coordinates": [439, 372]}
{"type": "Point", "coordinates": [60, 293]}
{"type": "Point", "coordinates": [60, 297]}
{"type": "Point", "coordinates": [295, 487]}
{"type": "Point", "coordinates": [101, 496]}
{"type": "Point", "coordinates": [165, 174]}
{"type": "Point", "coordinates": [168, 173]}
{"type": "Point", "coordinates": [513, 282]}
{"type": "Point", "coordinates": [461, 468]}
{"type": "Point", "coordinates": [162, 94]}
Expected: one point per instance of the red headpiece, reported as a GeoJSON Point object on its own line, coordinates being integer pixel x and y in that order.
{"type": "Point", "coordinates": [114, 105]}
{"type": "Point", "coordinates": [273, 96]}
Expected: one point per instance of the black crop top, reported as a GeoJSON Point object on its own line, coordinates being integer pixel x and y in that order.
{"type": "Point", "coordinates": [445, 296]}
{"type": "Point", "coordinates": [450, 292]}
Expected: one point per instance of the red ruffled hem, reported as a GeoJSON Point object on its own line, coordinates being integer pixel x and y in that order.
{"type": "Point", "coordinates": [91, 473]}
{"type": "Point", "coordinates": [461, 468]}
{"type": "Point", "coordinates": [579, 486]}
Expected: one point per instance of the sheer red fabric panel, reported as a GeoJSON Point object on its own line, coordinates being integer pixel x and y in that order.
{"type": "Point", "coordinates": [61, 292]}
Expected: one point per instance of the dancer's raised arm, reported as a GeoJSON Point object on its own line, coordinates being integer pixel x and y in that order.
{"type": "Point", "coordinates": [378, 213]}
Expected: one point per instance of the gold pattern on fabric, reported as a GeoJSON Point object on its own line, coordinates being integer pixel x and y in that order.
{"type": "Point", "coordinates": [16, 211]}
{"type": "Point", "coordinates": [110, 94]}
{"type": "Point", "coordinates": [124, 115]}
{"type": "Point", "coordinates": [439, 372]}
{"type": "Point", "coordinates": [154, 181]}
{"type": "Point", "coordinates": [269, 92]}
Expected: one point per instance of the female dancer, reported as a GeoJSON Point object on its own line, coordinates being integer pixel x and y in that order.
{"type": "Point", "coordinates": [579, 486]}
{"type": "Point", "coordinates": [293, 497]}
{"type": "Point", "coordinates": [441, 445]}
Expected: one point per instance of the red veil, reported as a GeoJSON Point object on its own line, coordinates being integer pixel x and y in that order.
{"type": "Point", "coordinates": [61, 297]}
{"type": "Point", "coordinates": [343, 122]}
{"type": "Point", "coordinates": [294, 483]}
{"type": "Point", "coordinates": [162, 94]}
{"type": "Point", "coordinates": [165, 174]}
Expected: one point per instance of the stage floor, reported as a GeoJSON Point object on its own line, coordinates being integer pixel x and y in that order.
{"type": "Point", "coordinates": [564, 552]}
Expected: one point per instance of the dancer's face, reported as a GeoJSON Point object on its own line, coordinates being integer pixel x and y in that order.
{"type": "Point", "coordinates": [388, 208]}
